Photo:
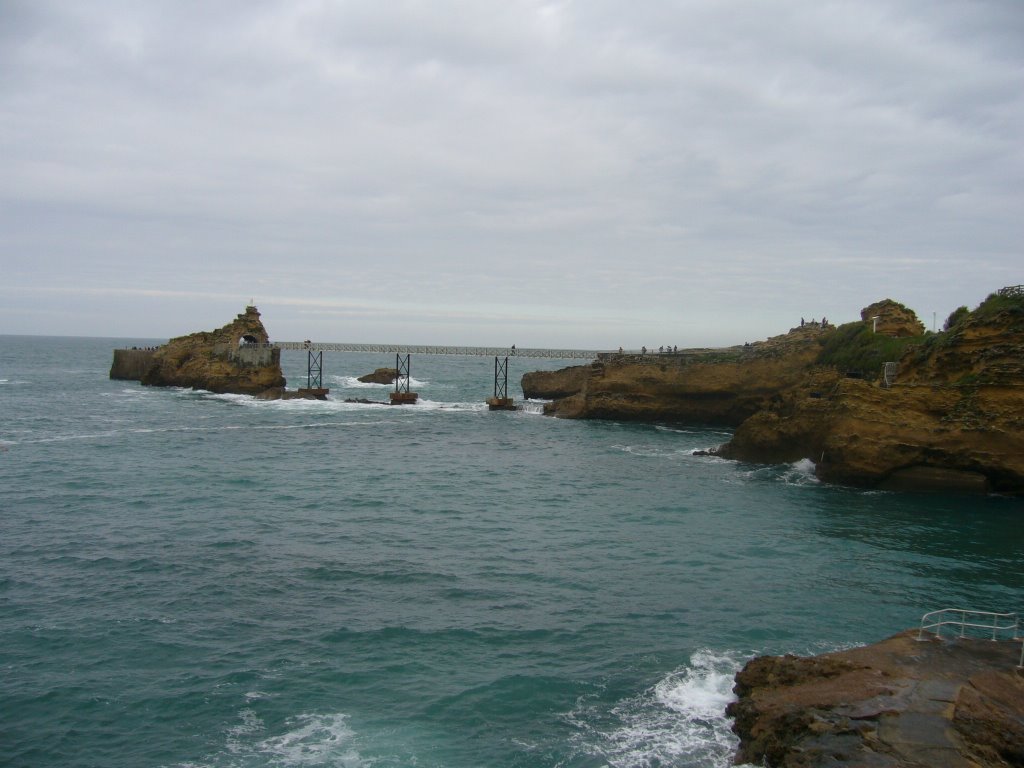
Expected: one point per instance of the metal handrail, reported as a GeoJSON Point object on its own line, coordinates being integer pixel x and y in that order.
{"type": "Point", "coordinates": [948, 617]}
{"type": "Point", "coordinates": [965, 619]}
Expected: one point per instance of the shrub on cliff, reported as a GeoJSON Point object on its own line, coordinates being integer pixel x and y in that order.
{"type": "Point", "coordinates": [956, 317]}
{"type": "Point", "coordinates": [1007, 304]}
{"type": "Point", "coordinates": [856, 348]}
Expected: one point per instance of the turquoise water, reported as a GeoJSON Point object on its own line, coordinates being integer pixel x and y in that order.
{"type": "Point", "coordinates": [197, 580]}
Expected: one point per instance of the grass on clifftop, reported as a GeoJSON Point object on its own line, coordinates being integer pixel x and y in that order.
{"type": "Point", "coordinates": [854, 348]}
{"type": "Point", "coordinates": [997, 305]}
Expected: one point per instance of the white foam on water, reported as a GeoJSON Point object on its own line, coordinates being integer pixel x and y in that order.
{"type": "Point", "coordinates": [532, 407]}
{"type": "Point", "coordinates": [700, 432]}
{"type": "Point", "coordinates": [222, 428]}
{"type": "Point", "coordinates": [309, 740]}
{"type": "Point", "coordinates": [801, 473]}
{"type": "Point", "coordinates": [353, 382]}
{"type": "Point", "coordinates": [437, 405]}
{"type": "Point", "coordinates": [655, 452]}
{"type": "Point", "coordinates": [680, 721]}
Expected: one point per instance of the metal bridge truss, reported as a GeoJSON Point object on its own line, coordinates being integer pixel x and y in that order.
{"type": "Point", "coordinates": [403, 376]}
{"type": "Point", "coordinates": [314, 376]}
{"type": "Point", "coordinates": [315, 346]}
{"type": "Point", "coordinates": [500, 378]}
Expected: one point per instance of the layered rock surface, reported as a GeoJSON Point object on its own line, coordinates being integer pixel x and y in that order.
{"type": "Point", "coordinates": [953, 417]}
{"type": "Point", "coordinates": [900, 703]}
{"type": "Point", "coordinates": [720, 387]}
{"type": "Point", "coordinates": [950, 416]}
{"type": "Point", "coordinates": [234, 359]}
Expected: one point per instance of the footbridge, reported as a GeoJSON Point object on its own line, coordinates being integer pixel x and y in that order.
{"type": "Point", "coordinates": [403, 354]}
{"type": "Point", "coordinates": [405, 349]}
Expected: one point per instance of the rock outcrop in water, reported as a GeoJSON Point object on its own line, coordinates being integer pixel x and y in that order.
{"type": "Point", "coordinates": [947, 413]}
{"type": "Point", "coordinates": [900, 703]}
{"type": "Point", "coordinates": [235, 359]}
{"type": "Point", "coordinates": [380, 376]}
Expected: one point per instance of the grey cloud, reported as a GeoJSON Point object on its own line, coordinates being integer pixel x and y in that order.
{"type": "Point", "coordinates": [660, 161]}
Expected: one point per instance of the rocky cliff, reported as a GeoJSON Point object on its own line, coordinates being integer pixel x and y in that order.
{"type": "Point", "coordinates": [951, 415]}
{"type": "Point", "coordinates": [551, 385]}
{"type": "Point", "coordinates": [234, 359]}
{"type": "Point", "coordinates": [699, 386]}
{"type": "Point", "coordinates": [900, 703]}
{"type": "Point", "coordinates": [946, 413]}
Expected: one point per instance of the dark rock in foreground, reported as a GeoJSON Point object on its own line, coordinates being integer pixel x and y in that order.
{"type": "Point", "coordinates": [900, 703]}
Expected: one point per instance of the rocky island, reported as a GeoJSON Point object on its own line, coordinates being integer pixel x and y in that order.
{"type": "Point", "coordinates": [877, 403]}
{"type": "Point", "coordinates": [902, 703]}
{"type": "Point", "coordinates": [236, 359]}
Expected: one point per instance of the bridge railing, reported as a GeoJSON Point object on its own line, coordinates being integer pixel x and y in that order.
{"type": "Point", "coordinates": [317, 346]}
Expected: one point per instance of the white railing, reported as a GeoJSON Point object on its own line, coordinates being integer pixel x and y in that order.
{"type": "Point", "coordinates": [978, 622]}
{"type": "Point", "coordinates": [318, 346]}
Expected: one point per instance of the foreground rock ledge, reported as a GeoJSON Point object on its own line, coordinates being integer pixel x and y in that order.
{"type": "Point", "coordinates": [897, 703]}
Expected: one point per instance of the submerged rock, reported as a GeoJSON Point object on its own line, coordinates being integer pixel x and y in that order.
{"type": "Point", "coordinates": [280, 393]}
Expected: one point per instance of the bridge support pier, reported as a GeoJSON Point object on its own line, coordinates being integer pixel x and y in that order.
{"type": "Point", "coordinates": [501, 401]}
{"type": "Point", "coordinates": [402, 395]}
{"type": "Point", "coordinates": [314, 377]}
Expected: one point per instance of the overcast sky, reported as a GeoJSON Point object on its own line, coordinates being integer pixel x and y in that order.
{"type": "Point", "coordinates": [579, 173]}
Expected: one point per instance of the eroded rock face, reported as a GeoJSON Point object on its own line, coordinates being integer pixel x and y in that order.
{"type": "Point", "coordinates": [719, 387]}
{"type": "Point", "coordinates": [952, 418]}
{"type": "Point", "coordinates": [891, 318]}
{"type": "Point", "coordinates": [234, 359]}
{"type": "Point", "coordinates": [898, 703]}
{"type": "Point", "coordinates": [550, 385]}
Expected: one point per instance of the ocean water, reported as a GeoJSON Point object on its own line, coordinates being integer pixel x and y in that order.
{"type": "Point", "coordinates": [193, 580]}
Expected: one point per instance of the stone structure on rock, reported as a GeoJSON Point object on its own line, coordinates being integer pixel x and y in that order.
{"type": "Point", "coordinates": [131, 364]}
{"type": "Point", "coordinates": [900, 703]}
{"type": "Point", "coordinates": [951, 418]}
{"type": "Point", "coordinates": [236, 359]}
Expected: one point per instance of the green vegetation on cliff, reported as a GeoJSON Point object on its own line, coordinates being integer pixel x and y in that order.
{"type": "Point", "coordinates": [855, 348]}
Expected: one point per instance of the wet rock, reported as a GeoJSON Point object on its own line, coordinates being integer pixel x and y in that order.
{"type": "Point", "coordinates": [900, 703]}
{"type": "Point", "coordinates": [380, 376]}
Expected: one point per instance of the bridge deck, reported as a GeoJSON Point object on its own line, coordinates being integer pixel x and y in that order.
{"type": "Point", "coordinates": [319, 346]}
